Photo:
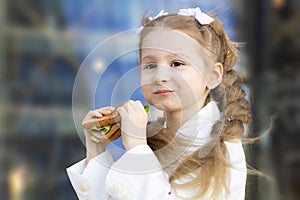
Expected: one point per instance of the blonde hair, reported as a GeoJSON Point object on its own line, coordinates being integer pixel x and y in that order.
{"type": "Point", "coordinates": [231, 100]}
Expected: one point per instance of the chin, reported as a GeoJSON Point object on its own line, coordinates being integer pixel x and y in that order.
{"type": "Point", "coordinates": [166, 106]}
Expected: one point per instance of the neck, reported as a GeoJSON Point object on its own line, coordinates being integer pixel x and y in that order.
{"type": "Point", "coordinates": [176, 119]}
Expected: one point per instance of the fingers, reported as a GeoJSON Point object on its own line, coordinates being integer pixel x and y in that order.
{"type": "Point", "coordinates": [140, 105]}
{"type": "Point", "coordinates": [133, 115]}
{"type": "Point", "coordinates": [100, 112]}
{"type": "Point", "coordinates": [94, 114]}
{"type": "Point", "coordinates": [130, 106]}
{"type": "Point", "coordinates": [122, 111]}
{"type": "Point", "coordinates": [104, 111]}
{"type": "Point", "coordinates": [127, 107]}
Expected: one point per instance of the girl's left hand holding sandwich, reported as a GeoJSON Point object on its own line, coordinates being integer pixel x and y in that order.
{"type": "Point", "coordinates": [92, 148]}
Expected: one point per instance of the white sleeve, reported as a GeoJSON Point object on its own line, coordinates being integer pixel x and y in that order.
{"type": "Point", "coordinates": [138, 175]}
{"type": "Point", "coordinates": [88, 180]}
{"type": "Point", "coordinates": [238, 171]}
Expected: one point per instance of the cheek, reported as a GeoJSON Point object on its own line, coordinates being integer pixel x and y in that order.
{"type": "Point", "coordinates": [193, 83]}
{"type": "Point", "coordinates": [146, 90]}
{"type": "Point", "coordinates": [189, 77]}
{"type": "Point", "coordinates": [145, 78]}
{"type": "Point", "coordinates": [198, 84]}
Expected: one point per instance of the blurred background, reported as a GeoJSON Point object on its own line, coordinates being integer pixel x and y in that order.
{"type": "Point", "coordinates": [44, 42]}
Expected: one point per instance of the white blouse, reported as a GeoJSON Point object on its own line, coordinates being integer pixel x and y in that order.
{"type": "Point", "coordinates": [141, 173]}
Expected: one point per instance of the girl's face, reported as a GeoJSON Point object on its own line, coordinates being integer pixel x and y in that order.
{"type": "Point", "coordinates": [174, 70]}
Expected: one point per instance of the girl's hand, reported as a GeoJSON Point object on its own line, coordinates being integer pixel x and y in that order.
{"type": "Point", "coordinates": [133, 124]}
{"type": "Point", "coordinates": [93, 148]}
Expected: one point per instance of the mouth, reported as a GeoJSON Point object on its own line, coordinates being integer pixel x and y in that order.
{"type": "Point", "coordinates": [163, 92]}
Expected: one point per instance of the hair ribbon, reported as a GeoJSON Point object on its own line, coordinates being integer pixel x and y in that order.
{"type": "Point", "coordinates": [200, 16]}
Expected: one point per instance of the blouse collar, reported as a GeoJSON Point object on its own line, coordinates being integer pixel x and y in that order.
{"type": "Point", "coordinates": [209, 114]}
{"type": "Point", "coordinates": [196, 131]}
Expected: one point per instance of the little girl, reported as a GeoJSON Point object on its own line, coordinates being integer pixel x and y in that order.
{"type": "Point", "coordinates": [186, 66]}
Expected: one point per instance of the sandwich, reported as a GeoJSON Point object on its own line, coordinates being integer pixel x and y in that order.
{"type": "Point", "coordinates": [106, 128]}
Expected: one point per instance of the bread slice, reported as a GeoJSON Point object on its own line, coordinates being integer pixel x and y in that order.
{"type": "Point", "coordinates": [114, 133]}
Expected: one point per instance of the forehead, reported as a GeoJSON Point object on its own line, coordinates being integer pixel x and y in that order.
{"type": "Point", "coordinates": [171, 41]}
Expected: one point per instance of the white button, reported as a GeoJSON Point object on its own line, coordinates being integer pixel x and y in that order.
{"type": "Point", "coordinates": [125, 197]}
{"type": "Point", "coordinates": [115, 189]}
{"type": "Point", "coordinates": [83, 187]}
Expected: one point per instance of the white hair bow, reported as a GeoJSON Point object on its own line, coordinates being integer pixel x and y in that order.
{"type": "Point", "coordinates": [201, 17]}
{"type": "Point", "coordinates": [161, 13]}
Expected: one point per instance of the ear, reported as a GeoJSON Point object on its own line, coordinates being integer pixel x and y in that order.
{"type": "Point", "coordinates": [215, 76]}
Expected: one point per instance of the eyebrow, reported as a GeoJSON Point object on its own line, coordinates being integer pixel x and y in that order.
{"type": "Point", "coordinates": [180, 55]}
{"type": "Point", "coordinates": [150, 57]}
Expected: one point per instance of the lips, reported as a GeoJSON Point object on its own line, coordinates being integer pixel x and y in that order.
{"type": "Point", "coordinates": [163, 92]}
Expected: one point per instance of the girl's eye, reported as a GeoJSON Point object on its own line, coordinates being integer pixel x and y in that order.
{"type": "Point", "coordinates": [150, 65]}
{"type": "Point", "coordinates": [176, 64]}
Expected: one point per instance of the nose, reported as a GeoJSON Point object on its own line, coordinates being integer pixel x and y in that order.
{"type": "Point", "coordinates": [161, 75]}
